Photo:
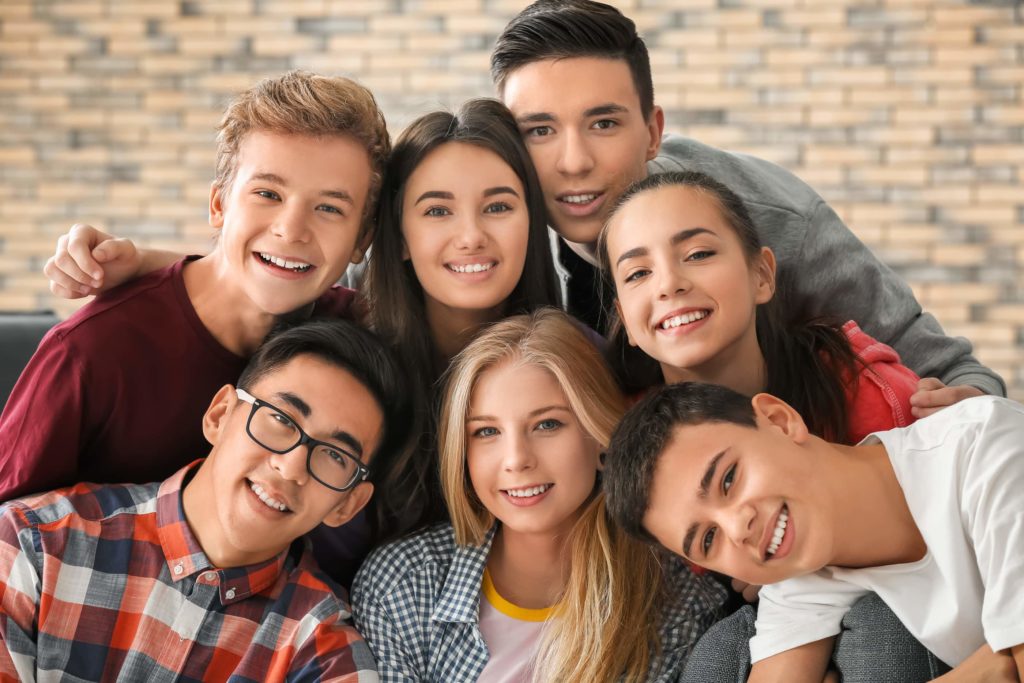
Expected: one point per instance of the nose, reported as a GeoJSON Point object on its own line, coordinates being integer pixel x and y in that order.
{"type": "Point", "coordinates": [672, 280]}
{"type": "Point", "coordinates": [290, 224]}
{"type": "Point", "coordinates": [470, 236]}
{"type": "Point", "coordinates": [517, 456]}
{"type": "Point", "coordinates": [574, 155]}
{"type": "Point", "coordinates": [738, 524]}
{"type": "Point", "coordinates": [291, 466]}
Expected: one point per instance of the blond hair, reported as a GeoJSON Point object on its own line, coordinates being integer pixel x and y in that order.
{"type": "Point", "coordinates": [303, 103]}
{"type": "Point", "coordinates": [604, 625]}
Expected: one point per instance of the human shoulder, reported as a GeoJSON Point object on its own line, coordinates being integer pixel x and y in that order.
{"type": "Point", "coordinates": [88, 502]}
{"type": "Point", "coordinates": [420, 559]}
{"type": "Point", "coordinates": [340, 302]}
{"type": "Point", "coordinates": [690, 600]}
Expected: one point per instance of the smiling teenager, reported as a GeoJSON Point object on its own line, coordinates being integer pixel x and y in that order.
{"type": "Point", "coordinates": [115, 392]}
{"type": "Point", "coordinates": [529, 581]}
{"type": "Point", "coordinates": [205, 576]}
{"type": "Point", "coordinates": [928, 517]}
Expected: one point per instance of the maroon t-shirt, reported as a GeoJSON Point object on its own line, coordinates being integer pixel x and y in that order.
{"type": "Point", "coordinates": [117, 392]}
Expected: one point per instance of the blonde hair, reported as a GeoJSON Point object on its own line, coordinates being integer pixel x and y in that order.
{"type": "Point", "coordinates": [300, 102]}
{"type": "Point", "coordinates": [604, 626]}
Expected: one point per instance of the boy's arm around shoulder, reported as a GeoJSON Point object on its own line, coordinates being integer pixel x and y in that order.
{"type": "Point", "coordinates": [837, 274]}
{"type": "Point", "coordinates": [804, 664]}
{"type": "Point", "coordinates": [20, 572]}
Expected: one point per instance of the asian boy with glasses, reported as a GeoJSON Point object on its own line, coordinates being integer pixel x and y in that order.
{"type": "Point", "coordinates": [206, 575]}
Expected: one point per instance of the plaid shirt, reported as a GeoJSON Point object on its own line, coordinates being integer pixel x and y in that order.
{"type": "Point", "coordinates": [107, 583]}
{"type": "Point", "coordinates": [417, 603]}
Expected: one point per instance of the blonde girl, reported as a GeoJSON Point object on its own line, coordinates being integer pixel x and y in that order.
{"type": "Point", "coordinates": [529, 581]}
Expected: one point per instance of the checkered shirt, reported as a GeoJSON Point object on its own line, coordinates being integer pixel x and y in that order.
{"type": "Point", "coordinates": [107, 583]}
{"type": "Point", "coordinates": [417, 603]}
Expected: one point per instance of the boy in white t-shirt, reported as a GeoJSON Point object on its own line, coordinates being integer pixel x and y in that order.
{"type": "Point", "coordinates": [930, 517]}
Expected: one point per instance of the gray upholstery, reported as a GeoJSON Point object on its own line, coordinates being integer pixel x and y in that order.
{"type": "Point", "coordinates": [19, 336]}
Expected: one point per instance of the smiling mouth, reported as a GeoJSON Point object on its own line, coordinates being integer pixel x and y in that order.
{"type": "Point", "coordinates": [779, 533]}
{"type": "Point", "coordinates": [578, 199]}
{"type": "Point", "coordinates": [270, 502]}
{"type": "Point", "coordinates": [294, 266]}
{"type": "Point", "coordinates": [471, 267]}
{"type": "Point", "coordinates": [528, 492]}
{"type": "Point", "coordinates": [684, 319]}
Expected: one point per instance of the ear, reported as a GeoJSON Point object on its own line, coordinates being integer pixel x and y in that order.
{"type": "Point", "coordinates": [655, 127]}
{"type": "Point", "coordinates": [362, 246]}
{"type": "Point", "coordinates": [354, 501]}
{"type": "Point", "coordinates": [618, 309]}
{"type": "Point", "coordinates": [216, 205]}
{"type": "Point", "coordinates": [773, 412]}
{"type": "Point", "coordinates": [764, 276]}
{"type": "Point", "coordinates": [216, 415]}
{"type": "Point", "coordinates": [405, 251]}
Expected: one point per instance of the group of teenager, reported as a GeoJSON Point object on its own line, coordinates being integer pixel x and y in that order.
{"type": "Point", "coordinates": [591, 373]}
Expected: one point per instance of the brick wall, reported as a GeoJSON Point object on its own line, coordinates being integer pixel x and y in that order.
{"type": "Point", "coordinates": [907, 115]}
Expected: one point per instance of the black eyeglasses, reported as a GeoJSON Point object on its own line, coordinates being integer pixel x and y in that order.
{"type": "Point", "coordinates": [330, 464]}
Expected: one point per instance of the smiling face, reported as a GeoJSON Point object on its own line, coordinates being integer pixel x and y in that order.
{"type": "Point", "coordinates": [247, 504]}
{"type": "Point", "coordinates": [291, 219]}
{"type": "Point", "coordinates": [530, 461]}
{"type": "Point", "coordinates": [750, 503]}
{"type": "Point", "coordinates": [586, 134]}
{"type": "Point", "coordinates": [466, 226]}
{"type": "Point", "coordinates": [685, 290]}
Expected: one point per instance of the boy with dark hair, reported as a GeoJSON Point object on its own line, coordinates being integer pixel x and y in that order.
{"type": "Point", "coordinates": [929, 517]}
{"type": "Point", "coordinates": [205, 576]}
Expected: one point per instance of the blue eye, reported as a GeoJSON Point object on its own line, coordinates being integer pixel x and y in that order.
{"type": "Point", "coordinates": [485, 432]}
{"type": "Point", "coordinates": [497, 207]}
{"type": "Point", "coordinates": [437, 211]}
{"type": "Point", "coordinates": [327, 208]}
{"type": "Point", "coordinates": [637, 274]}
{"type": "Point", "coordinates": [549, 425]}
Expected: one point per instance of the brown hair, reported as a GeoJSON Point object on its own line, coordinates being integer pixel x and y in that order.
{"type": "Point", "coordinates": [300, 102]}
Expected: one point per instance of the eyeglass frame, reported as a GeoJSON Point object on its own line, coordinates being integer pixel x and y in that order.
{"type": "Point", "coordinates": [362, 470]}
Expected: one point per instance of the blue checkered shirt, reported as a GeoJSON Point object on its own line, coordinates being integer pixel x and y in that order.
{"type": "Point", "coordinates": [417, 603]}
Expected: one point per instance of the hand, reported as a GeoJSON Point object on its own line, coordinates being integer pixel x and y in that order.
{"type": "Point", "coordinates": [88, 261]}
{"type": "Point", "coordinates": [932, 396]}
{"type": "Point", "coordinates": [983, 666]}
{"type": "Point", "coordinates": [749, 591]}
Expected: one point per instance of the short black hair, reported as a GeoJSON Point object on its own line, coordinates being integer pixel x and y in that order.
{"type": "Point", "coordinates": [563, 29]}
{"type": "Point", "coordinates": [360, 353]}
{"type": "Point", "coordinates": [644, 433]}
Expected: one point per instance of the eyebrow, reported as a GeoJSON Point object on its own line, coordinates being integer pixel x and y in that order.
{"type": "Point", "coordinates": [442, 194]}
{"type": "Point", "coordinates": [599, 110]}
{"type": "Point", "coordinates": [677, 238]}
{"type": "Point", "coordinates": [702, 492]}
{"type": "Point", "coordinates": [340, 195]}
{"type": "Point", "coordinates": [338, 434]}
{"type": "Point", "coordinates": [532, 413]}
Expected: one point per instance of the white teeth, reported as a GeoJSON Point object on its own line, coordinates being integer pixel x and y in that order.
{"type": "Point", "coordinates": [683, 319]}
{"type": "Point", "coordinates": [780, 531]}
{"type": "Point", "coordinates": [529, 492]}
{"type": "Point", "coordinates": [270, 502]}
{"type": "Point", "coordinates": [297, 266]}
{"type": "Point", "coordinates": [472, 267]}
{"type": "Point", "coordinates": [579, 198]}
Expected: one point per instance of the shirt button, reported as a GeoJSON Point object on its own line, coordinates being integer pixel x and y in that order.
{"type": "Point", "coordinates": [230, 594]}
{"type": "Point", "coordinates": [178, 569]}
{"type": "Point", "coordinates": [210, 576]}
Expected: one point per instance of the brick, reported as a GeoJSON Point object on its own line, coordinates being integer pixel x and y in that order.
{"type": "Point", "coordinates": [971, 15]}
{"type": "Point", "coordinates": [917, 115]}
{"type": "Point", "coordinates": [841, 154]}
{"type": "Point", "coordinates": [406, 24]}
{"type": "Point", "coordinates": [150, 9]}
{"type": "Point", "coordinates": [463, 24]}
{"type": "Point", "coordinates": [21, 156]}
{"type": "Point", "coordinates": [209, 45]}
{"type": "Point", "coordinates": [988, 154]}
{"type": "Point", "coordinates": [852, 76]}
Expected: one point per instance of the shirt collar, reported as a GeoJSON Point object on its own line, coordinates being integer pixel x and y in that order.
{"type": "Point", "coordinates": [185, 557]}
{"type": "Point", "coordinates": [460, 595]}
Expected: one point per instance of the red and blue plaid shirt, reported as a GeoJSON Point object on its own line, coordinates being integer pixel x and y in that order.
{"type": "Point", "coordinates": [107, 583]}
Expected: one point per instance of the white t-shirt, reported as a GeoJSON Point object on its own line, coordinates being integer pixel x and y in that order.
{"type": "Point", "coordinates": [512, 635]}
{"type": "Point", "coordinates": [962, 472]}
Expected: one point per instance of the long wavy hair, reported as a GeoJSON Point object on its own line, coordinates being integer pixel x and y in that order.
{"type": "Point", "coordinates": [604, 625]}
{"type": "Point", "coordinates": [397, 309]}
{"type": "Point", "coordinates": [807, 359]}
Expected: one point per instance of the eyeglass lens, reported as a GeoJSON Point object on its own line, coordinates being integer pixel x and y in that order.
{"type": "Point", "coordinates": [276, 431]}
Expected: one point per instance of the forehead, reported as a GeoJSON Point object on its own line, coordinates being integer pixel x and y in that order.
{"type": "Point", "coordinates": [656, 215]}
{"type": "Point", "coordinates": [447, 165]}
{"type": "Point", "coordinates": [531, 385]}
{"type": "Point", "coordinates": [336, 399]}
{"type": "Point", "coordinates": [567, 87]}
{"type": "Point", "coordinates": [327, 160]}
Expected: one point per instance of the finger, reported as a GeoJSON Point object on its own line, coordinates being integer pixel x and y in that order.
{"type": "Point", "coordinates": [751, 593]}
{"type": "Point", "coordinates": [81, 241]}
{"type": "Point", "coordinates": [113, 250]}
{"type": "Point", "coordinates": [63, 270]}
{"type": "Point", "coordinates": [64, 292]}
{"type": "Point", "coordinates": [936, 398]}
{"type": "Point", "coordinates": [929, 383]}
{"type": "Point", "coordinates": [737, 585]}
{"type": "Point", "coordinates": [924, 412]}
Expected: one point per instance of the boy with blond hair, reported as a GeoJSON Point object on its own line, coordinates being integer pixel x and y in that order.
{"type": "Point", "coordinates": [115, 392]}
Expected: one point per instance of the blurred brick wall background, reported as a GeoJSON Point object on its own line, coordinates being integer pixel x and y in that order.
{"type": "Point", "coordinates": [907, 115]}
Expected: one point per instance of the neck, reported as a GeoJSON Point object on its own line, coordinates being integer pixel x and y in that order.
{"type": "Point", "coordinates": [451, 329]}
{"type": "Point", "coordinates": [740, 367]}
{"type": "Point", "coordinates": [223, 308]}
{"type": "Point", "coordinates": [197, 501]}
{"type": "Point", "coordinates": [529, 570]}
{"type": "Point", "coordinates": [874, 524]}
{"type": "Point", "coordinates": [585, 250]}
